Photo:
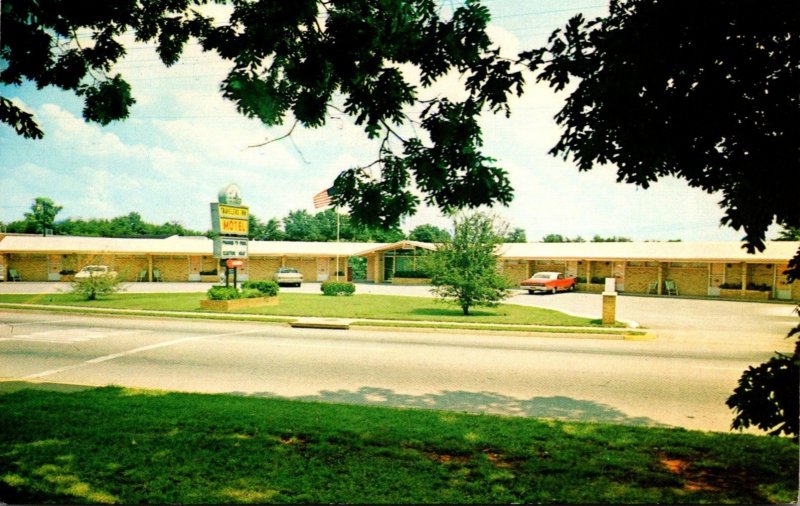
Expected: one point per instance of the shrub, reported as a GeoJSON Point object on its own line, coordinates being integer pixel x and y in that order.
{"type": "Point", "coordinates": [337, 288]}
{"type": "Point", "coordinates": [597, 280]}
{"type": "Point", "coordinates": [212, 272]}
{"type": "Point", "coordinates": [265, 288]}
{"type": "Point", "coordinates": [411, 274]}
{"type": "Point", "coordinates": [730, 286]}
{"type": "Point", "coordinates": [251, 293]}
{"type": "Point", "coordinates": [223, 293]}
{"type": "Point", "coordinates": [763, 287]}
{"type": "Point", "coordinates": [580, 279]}
{"type": "Point", "coordinates": [95, 286]}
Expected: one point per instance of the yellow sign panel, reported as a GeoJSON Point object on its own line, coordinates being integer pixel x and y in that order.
{"type": "Point", "coordinates": [233, 226]}
{"type": "Point", "coordinates": [233, 212]}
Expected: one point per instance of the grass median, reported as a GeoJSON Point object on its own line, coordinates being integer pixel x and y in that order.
{"type": "Point", "coordinates": [359, 306]}
{"type": "Point", "coordinates": [115, 445]}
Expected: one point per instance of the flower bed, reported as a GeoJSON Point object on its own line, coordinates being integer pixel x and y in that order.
{"type": "Point", "coordinates": [738, 293]}
{"type": "Point", "coordinates": [590, 287]}
{"type": "Point", "coordinates": [236, 304]}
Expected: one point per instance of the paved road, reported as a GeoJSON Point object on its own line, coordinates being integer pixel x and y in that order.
{"type": "Point", "coordinates": [651, 382]}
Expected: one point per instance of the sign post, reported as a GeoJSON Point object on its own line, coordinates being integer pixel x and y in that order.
{"type": "Point", "coordinates": [230, 226]}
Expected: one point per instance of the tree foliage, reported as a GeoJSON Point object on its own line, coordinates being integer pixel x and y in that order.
{"type": "Point", "coordinates": [703, 91]}
{"type": "Point", "coordinates": [464, 269]}
{"type": "Point", "coordinates": [299, 60]}
{"type": "Point", "coordinates": [516, 235]}
{"type": "Point", "coordinates": [43, 214]}
{"type": "Point", "coordinates": [429, 233]}
{"type": "Point", "coordinates": [93, 287]}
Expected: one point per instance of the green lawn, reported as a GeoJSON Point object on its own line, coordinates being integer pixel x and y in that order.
{"type": "Point", "coordinates": [118, 445]}
{"type": "Point", "coordinates": [384, 307]}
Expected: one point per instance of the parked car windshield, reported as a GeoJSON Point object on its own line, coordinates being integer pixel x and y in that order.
{"type": "Point", "coordinates": [287, 269]}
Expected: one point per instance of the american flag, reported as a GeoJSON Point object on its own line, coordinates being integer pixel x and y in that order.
{"type": "Point", "coordinates": [323, 198]}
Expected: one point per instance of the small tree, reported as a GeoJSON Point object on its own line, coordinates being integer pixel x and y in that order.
{"type": "Point", "coordinates": [96, 286]}
{"type": "Point", "coordinates": [464, 269]}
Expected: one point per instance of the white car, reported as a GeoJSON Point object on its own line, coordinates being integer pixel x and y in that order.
{"type": "Point", "coordinates": [91, 271]}
{"type": "Point", "coordinates": [288, 276]}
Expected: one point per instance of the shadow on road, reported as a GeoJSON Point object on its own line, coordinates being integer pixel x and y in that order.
{"type": "Point", "coordinates": [556, 407]}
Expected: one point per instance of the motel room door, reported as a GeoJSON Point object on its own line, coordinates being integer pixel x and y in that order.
{"type": "Point", "coordinates": [323, 268]}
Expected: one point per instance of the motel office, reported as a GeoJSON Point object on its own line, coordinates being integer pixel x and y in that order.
{"type": "Point", "coordinates": [707, 269]}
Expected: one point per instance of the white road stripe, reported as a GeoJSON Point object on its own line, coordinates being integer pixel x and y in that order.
{"type": "Point", "coordinates": [106, 358]}
{"type": "Point", "coordinates": [67, 336]}
{"type": "Point", "coordinates": [20, 324]}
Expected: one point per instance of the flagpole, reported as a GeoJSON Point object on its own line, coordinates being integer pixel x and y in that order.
{"type": "Point", "coordinates": [336, 210]}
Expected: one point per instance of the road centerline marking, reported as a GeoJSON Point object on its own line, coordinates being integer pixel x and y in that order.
{"type": "Point", "coordinates": [106, 358]}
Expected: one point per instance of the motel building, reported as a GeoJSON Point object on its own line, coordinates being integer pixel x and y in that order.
{"type": "Point", "coordinates": [701, 269]}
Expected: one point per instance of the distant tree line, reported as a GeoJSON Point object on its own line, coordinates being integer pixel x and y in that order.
{"type": "Point", "coordinates": [596, 238]}
{"type": "Point", "coordinates": [130, 225]}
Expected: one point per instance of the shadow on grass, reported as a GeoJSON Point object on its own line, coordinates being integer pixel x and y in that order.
{"type": "Point", "coordinates": [555, 407]}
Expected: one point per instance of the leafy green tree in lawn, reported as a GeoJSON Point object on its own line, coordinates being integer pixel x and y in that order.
{"type": "Point", "coordinates": [43, 214]}
{"type": "Point", "coordinates": [464, 269]}
{"type": "Point", "coordinates": [96, 286]}
{"type": "Point", "coordinates": [287, 65]}
{"type": "Point", "coordinates": [429, 233]}
{"type": "Point", "coordinates": [703, 91]}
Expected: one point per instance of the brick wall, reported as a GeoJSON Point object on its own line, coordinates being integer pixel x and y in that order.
{"type": "Point", "coordinates": [690, 279]}
{"type": "Point", "coordinates": [761, 274]}
{"type": "Point", "coordinates": [306, 266]}
{"type": "Point", "coordinates": [733, 273]}
{"type": "Point", "coordinates": [515, 272]}
{"type": "Point", "coordinates": [546, 265]}
{"type": "Point", "coordinates": [262, 269]}
{"type": "Point", "coordinates": [598, 269]}
{"type": "Point", "coordinates": [129, 267]}
{"type": "Point", "coordinates": [638, 278]}
{"type": "Point", "coordinates": [173, 268]}
{"type": "Point", "coordinates": [30, 267]}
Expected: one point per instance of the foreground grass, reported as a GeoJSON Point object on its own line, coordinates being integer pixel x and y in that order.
{"type": "Point", "coordinates": [383, 307]}
{"type": "Point", "coordinates": [113, 445]}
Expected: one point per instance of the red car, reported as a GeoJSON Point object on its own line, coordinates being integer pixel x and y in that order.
{"type": "Point", "coordinates": [548, 282]}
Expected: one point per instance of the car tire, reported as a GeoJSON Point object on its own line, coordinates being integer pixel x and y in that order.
{"type": "Point", "coordinates": [530, 292]}
{"type": "Point", "coordinates": [554, 290]}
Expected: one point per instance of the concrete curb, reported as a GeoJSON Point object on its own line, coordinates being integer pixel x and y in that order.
{"type": "Point", "coordinates": [346, 324]}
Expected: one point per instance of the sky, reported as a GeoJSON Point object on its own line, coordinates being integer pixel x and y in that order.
{"type": "Point", "coordinates": [182, 142]}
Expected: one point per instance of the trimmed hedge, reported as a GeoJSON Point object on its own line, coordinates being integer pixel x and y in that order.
{"type": "Point", "coordinates": [250, 290]}
{"type": "Point", "coordinates": [266, 288]}
{"type": "Point", "coordinates": [337, 288]}
{"type": "Point", "coordinates": [223, 293]}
